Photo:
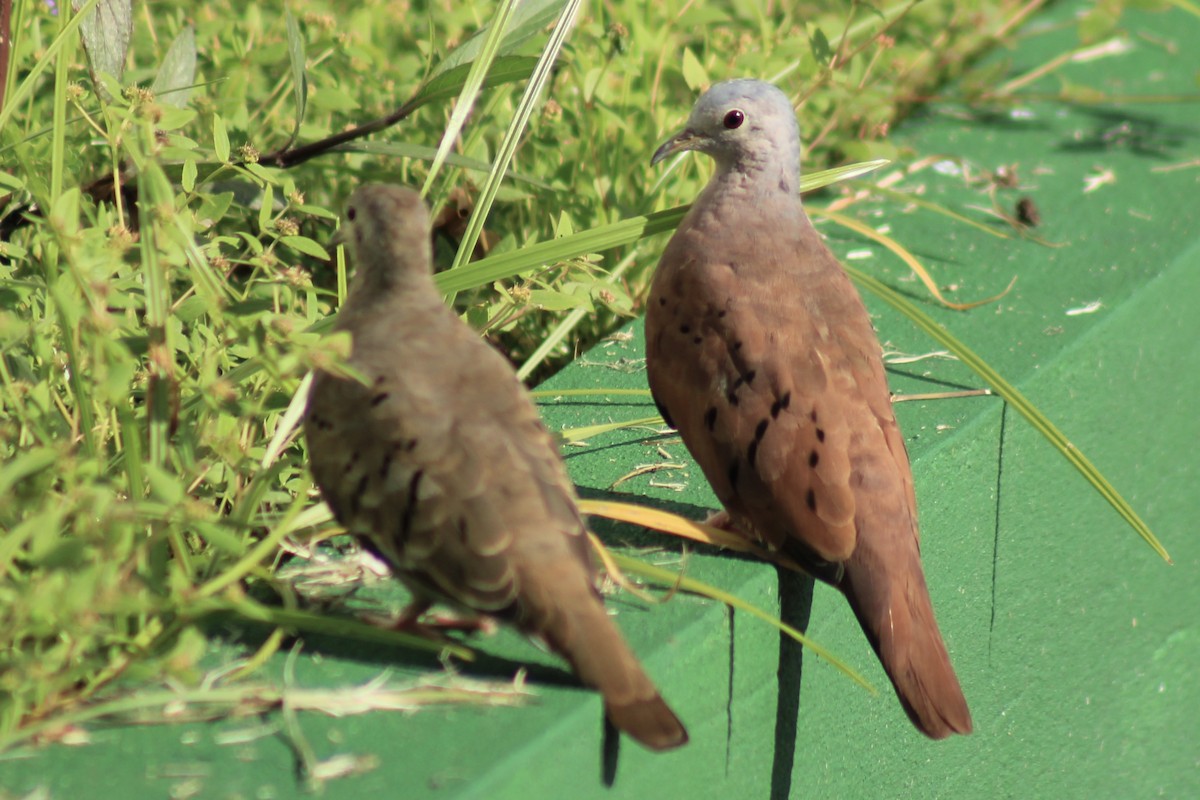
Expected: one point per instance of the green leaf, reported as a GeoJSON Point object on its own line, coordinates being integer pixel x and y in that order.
{"type": "Point", "coordinates": [303, 244]}
{"type": "Point", "coordinates": [821, 50]}
{"type": "Point", "coordinates": [297, 60]}
{"type": "Point", "coordinates": [187, 178]}
{"type": "Point", "coordinates": [106, 32]}
{"type": "Point", "coordinates": [694, 73]}
{"type": "Point", "coordinates": [512, 136]}
{"type": "Point", "coordinates": [172, 84]}
{"type": "Point", "coordinates": [220, 139]}
{"type": "Point", "coordinates": [448, 84]}
{"type": "Point", "coordinates": [473, 83]}
{"type": "Point", "coordinates": [25, 464]}
{"type": "Point", "coordinates": [530, 18]}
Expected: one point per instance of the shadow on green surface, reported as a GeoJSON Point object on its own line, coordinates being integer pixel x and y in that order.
{"type": "Point", "coordinates": [1138, 134]}
{"type": "Point", "coordinates": [795, 609]}
{"type": "Point", "coordinates": [234, 630]}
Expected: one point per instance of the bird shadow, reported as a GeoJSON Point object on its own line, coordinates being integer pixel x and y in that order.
{"type": "Point", "coordinates": [795, 609]}
{"type": "Point", "coordinates": [238, 631]}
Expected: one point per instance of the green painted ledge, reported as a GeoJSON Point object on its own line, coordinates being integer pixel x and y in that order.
{"type": "Point", "coordinates": [1077, 648]}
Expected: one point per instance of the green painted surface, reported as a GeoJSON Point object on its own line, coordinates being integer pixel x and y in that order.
{"type": "Point", "coordinates": [1077, 648]}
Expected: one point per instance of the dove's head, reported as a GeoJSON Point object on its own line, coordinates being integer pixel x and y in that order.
{"type": "Point", "coordinates": [748, 126]}
{"type": "Point", "coordinates": [387, 231]}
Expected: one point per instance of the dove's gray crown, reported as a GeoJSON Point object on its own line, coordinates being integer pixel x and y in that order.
{"type": "Point", "coordinates": [762, 153]}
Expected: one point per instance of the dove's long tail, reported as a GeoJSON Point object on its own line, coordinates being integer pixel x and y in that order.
{"type": "Point", "coordinates": [583, 634]}
{"type": "Point", "coordinates": [891, 601]}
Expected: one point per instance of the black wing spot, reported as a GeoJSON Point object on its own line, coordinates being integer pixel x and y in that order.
{"type": "Point", "coordinates": [408, 446]}
{"type": "Point", "coordinates": [410, 506]}
{"type": "Point", "coordinates": [710, 417]}
{"type": "Point", "coordinates": [737, 346]}
{"type": "Point", "coordinates": [750, 377]}
{"type": "Point", "coordinates": [751, 452]}
{"type": "Point", "coordinates": [786, 400]}
{"type": "Point", "coordinates": [761, 430]}
{"type": "Point", "coordinates": [721, 314]}
{"type": "Point", "coordinates": [351, 463]}
{"type": "Point", "coordinates": [733, 474]}
{"type": "Point", "coordinates": [379, 379]}
{"type": "Point", "coordinates": [732, 397]}
{"type": "Point", "coordinates": [776, 407]}
{"type": "Point", "coordinates": [662, 301]}
{"type": "Point", "coordinates": [820, 434]}
{"type": "Point", "coordinates": [379, 398]}
{"type": "Point", "coordinates": [813, 459]}
{"type": "Point", "coordinates": [697, 340]}
{"type": "Point", "coordinates": [810, 500]}
{"type": "Point", "coordinates": [685, 329]}
{"type": "Point", "coordinates": [813, 415]}
{"type": "Point", "coordinates": [386, 466]}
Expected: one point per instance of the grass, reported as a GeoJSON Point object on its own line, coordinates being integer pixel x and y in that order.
{"type": "Point", "coordinates": [163, 285]}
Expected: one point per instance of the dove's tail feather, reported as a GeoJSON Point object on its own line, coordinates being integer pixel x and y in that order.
{"type": "Point", "coordinates": [588, 639]}
{"type": "Point", "coordinates": [896, 614]}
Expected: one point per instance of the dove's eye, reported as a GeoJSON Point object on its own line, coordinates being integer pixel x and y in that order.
{"type": "Point", "coordinates": [734, 119]}
{"type": "Point", "coordinates": [351, 213]}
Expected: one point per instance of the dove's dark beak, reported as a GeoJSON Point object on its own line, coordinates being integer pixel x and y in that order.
{"type": "Point", "coordinates": [340, 236]}
{"type": "Point", "coordinates": [686, 139]}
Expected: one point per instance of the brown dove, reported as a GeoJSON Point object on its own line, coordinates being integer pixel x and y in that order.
{"type": "Point", "coordinates": [762, 355]}
{"type": "Point", "coordinates": [437, 460]}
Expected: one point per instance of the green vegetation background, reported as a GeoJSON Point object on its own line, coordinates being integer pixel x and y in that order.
{"type": "Point", "coordinates": [163, 281]}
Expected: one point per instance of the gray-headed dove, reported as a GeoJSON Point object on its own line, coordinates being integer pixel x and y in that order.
{"type": "Point", "coordinates": [761, 353]}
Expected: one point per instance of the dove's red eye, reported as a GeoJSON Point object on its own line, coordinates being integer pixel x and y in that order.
{"type": "Point", "coordinates": [734, 119]}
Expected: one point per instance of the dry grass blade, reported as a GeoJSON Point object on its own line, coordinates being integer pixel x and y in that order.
{"type": "Point", "coordinates": [675, 525]}
{"type": "Point", "coordinates": [618, 575]}
{"type": "Point", "coordinates": [212, 702]}
{"type": "Point", "coordinates": [936, 208]}
{"type": "Point", "coordinates": [667, 577]}
{"type": "Point", "coordinates": [907, 257]}
{"type": "Point", "coordinates": [587, 431]}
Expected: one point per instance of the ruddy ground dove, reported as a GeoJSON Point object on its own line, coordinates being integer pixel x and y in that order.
{"type": "Point", "coordinates": [440, 464]}
{"type": "Point", "coordinates": [761, 353]}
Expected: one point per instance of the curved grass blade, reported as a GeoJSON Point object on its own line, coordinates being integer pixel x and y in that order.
{"type": "Point", "coordinates": [48, 56]}
{"type": "Point", "coordinates": [1017, 400]}
{"type": "Point", "coordinates": [675, 525]}
{"type": "Point", "coordinates": [422, 153]}
{"type": "Point", "coordinates": [471, 89]}
{"type": "Point", "coordinates": [297, 60]}
{"type": "Point", "coordinates": [605, 237]}
{"type": "Point", "coordinates": [512, 136]}
{"type": "Point", "coordinates": [936, 208]}
{"type": "Point", "coordinates": [666, 577]}
{"type": "Point", "coordinates": [908, 258]}
{"type": "Point", "coordinates": [588, 431]}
